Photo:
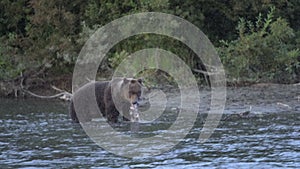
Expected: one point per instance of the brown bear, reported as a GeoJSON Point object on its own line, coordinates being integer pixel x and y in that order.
{"type": "Point", "coordinates": [112, 98]}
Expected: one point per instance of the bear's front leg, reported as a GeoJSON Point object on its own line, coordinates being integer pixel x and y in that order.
{"type": "Point", "coordinates": [126, 111]}
{"type": "Point", "coordinates": [73, 113]}
{"type": "Point", "coordinates": [112, 113]}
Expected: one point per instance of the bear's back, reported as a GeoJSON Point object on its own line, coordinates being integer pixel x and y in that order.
{"type": "Point", "coordinates": [82, 100]}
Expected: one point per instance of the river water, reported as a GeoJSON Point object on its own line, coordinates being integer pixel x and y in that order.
{"type": "Point", "coordinates": [39, 134]}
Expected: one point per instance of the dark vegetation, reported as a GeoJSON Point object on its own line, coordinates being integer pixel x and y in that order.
{"type": "Point", "coordinates": [257, 40]}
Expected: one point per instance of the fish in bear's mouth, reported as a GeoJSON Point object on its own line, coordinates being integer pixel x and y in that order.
{"type": "Point", "coordinates": [134, 112]}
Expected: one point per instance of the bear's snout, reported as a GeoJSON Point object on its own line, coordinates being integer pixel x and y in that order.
{"type": "Point", "coordinates": [134, 98]}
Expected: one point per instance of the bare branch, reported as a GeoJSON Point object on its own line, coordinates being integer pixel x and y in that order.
{"type": "Point", "coordinates": [60, 95]}
{"type": "Point", "coordinates": [201, 71]}
{"type": "Point", "coordinates": [64, 95]}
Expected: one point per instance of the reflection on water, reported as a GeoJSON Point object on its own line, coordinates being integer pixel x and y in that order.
{"type": "Point", "coordinates": [40, 134]}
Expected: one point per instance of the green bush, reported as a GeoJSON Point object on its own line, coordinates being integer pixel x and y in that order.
{"type": "Point", "coordinates": [48, 35]}
{"type": "Point", "coordinates": [11, 64]}
{"type": "Point", "coordinates": [265, 51]}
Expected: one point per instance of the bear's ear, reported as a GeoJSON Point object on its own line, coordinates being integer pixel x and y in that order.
{"type": "Point", "coordinates": [140, 80]}
{"type": "Point", "coordinates": [125, 80]}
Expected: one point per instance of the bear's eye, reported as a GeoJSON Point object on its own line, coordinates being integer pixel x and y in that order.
{"type": "Point", "coordinates": [135, 93]}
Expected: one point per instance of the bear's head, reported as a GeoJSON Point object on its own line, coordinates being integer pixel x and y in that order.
{"type": "Point", "coordinates": [133, 89]}
{"type": "Point", "coordinates": [126, 93]}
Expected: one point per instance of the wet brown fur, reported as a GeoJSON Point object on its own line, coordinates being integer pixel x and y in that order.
{"type": "Point", "coordinates": [112, 98]}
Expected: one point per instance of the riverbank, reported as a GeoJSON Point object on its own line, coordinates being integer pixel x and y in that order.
{"type": "Point", "coordinates": [251, 101]}
{"type": "Point", "coordinates": [39, 85]}
{"type": "Point", "coordinates": [259, 97]}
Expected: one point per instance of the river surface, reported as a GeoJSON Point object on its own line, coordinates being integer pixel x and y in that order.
{"type": "Point", "coordinates": [39, 134]}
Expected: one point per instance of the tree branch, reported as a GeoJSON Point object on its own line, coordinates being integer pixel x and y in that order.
{"type": "Point", "coordinates": [64, 95]}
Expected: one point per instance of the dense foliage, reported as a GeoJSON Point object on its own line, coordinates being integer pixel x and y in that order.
{"type": "Point", "coordinates": [258, 40]}
{"type": "Point", "coordinates": [265, 50]}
